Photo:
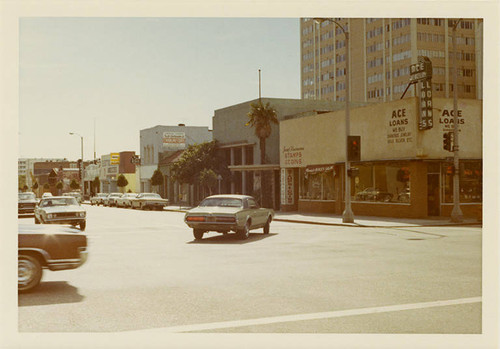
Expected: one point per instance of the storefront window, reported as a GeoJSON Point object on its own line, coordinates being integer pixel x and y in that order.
{"type": "Point", "coordinates": [382, 183]}
{"type": "Point", "coordinates": [317, 183]}
{"type": "Point", "coordinates": [471, 182]}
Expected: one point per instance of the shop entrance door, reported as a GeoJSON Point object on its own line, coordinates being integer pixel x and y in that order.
{"type": "Point", "coordinates": [433, 202]}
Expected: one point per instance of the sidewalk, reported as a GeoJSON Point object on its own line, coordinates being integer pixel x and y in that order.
{"type": "Point", "coordinates": [359, 221]}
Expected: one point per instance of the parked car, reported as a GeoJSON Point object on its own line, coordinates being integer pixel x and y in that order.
{"type": "Point", "coordinates": [110, 199]}
{"type": "Point", "coordinates": [124, 200]}
{"type": "Point", "coordinates": [77, 195]}
{"type": "Point", "coordinates": [26, 203]}
{"type": "Point", "coordinates": [373, 194]}
{"type": "Point", "coordinates": [98, 199]}
{"type": "Point", "coordinates": [47, 247]}
{"type": "Point", "coordinates": [225, 213]}
{"type": "Point", "coordinates": [60, 210]}
{"type": "Point", "coordinates": [149, 201]}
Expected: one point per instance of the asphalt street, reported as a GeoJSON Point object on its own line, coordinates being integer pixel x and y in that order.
{"type": "Point", "coordinates": [146, 274]}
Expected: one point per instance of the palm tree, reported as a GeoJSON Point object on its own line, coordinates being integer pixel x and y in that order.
{"type": "Point", "coordinates": [261, 118]}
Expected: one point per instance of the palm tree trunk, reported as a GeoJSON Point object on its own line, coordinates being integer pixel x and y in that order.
{"type": "Point", "coordinates": [262, 150]}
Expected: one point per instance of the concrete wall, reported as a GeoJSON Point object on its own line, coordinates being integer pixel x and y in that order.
{"type": "Point", "coordinates": [229, 123]}
{"type": "Point", "coordinates": [153, 138]}
{"type": "Point", "coordinates": [387, 130]}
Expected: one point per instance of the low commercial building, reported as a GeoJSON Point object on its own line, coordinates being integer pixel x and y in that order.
{"type": "Point", "coordinates": [403, 171]}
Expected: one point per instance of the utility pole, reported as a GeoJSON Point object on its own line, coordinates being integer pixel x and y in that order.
{"type": "Point", "coordinates": [456, 213]}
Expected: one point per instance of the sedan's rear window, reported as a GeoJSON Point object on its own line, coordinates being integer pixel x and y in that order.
{"type": "Point", "coordinates": [221, 202]}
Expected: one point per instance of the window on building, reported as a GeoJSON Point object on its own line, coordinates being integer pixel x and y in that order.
{"type": "Point", "coordinates": [382, 183]}
{"type": "Point", "coordinates": [317, 183]}
{"type": "Point", "coordinates": [470, 180]}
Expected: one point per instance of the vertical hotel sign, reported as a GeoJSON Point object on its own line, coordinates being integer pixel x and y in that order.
{"type": "Point", "coordinates": [287, 186]}
{"type": "Point", "coordinates": [421, 74]}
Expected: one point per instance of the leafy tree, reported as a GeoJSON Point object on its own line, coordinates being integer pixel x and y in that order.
{"type": "Point", "coordinates": [122, 181]}
{"type": "Point", "coordinates": [157, 178]}
{"type": "Point", "coordinates": [35, 186]}
{"type": "Point", "coordinates": [208, 179]}
{"type": "Point", "coordinates": [195, 159]}
{"type": "Point", "coordinates": [74, 184]}
{"type": "Point", "coordinates": [25, 187]}
{"type": "Point", "coordinates": [59, 187]}
{"type": "Point", "coordinates": [97, 184]}
{"type": "Point", "coordinates": [46, 186]}
{"type": "Point", "coordinates": [261, 117]}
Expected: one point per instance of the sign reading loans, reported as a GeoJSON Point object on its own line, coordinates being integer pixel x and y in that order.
{"type": "Point", "coordinates": [174, 140]}
{"type": "Point", "coordinates": [398, 130]}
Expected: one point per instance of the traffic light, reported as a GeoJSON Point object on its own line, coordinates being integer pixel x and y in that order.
{"type": "Point", "coordinates": [353, 148]}
{"type": "Point", "coordinates": [447, 141]}
{"type": "Point", "coordinates": [79, 164]}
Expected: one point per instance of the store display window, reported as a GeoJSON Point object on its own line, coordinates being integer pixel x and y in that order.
{"type": "Point", "coordinates": [381, 183]}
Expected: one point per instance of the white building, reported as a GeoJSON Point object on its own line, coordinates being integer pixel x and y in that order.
{"type": "Point", "coordinates": [158, 139]}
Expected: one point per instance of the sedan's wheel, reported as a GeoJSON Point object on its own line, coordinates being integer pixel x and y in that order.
{"type": "Point", "coordinates": [83, 225]}
{"type": "Point", "coordinates": [29, 273]}
{"type": "Point", "coordinates": [267, 226]}
{"type": "Point", "coordinates": [244, 233]}
{"type": "Point", "coordinates": [198, 234]}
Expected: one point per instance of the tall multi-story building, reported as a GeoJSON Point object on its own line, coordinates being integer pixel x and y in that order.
{"type": "Point", "coordinates": [381, 52]}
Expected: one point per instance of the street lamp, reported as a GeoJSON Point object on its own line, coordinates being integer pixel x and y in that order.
{"type": "Point", "coordinates": [456, 213]}
{"type": "Point", "coordinates": [81, 164]}
{"type": "Point", "coordinates": [347, 215]}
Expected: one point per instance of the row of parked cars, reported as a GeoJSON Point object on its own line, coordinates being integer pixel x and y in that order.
{"type": "Point", "coordinates": [143, 201]}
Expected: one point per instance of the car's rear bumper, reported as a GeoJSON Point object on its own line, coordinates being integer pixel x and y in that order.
{"type": "Point", "coordinates": [213, 226]}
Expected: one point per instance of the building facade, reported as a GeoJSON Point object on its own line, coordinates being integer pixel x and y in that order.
{"type": "Point", "coordinates": [240, 145]}
{"type": "Point", "coordinates": [403, 171]}
{"type": "Point", "coordinates": [159, 139]}
{"type": "Point", "coordinates": [25, 167]}
{"type": "Point", "coordinates": [381, 51]}
{"type": "Point", "coordinates": [112, 166]}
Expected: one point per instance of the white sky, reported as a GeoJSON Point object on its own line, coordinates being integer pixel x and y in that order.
{"type": "Point", "coordinates": [127, 74]}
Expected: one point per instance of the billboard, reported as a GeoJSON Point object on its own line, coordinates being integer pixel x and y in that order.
{"type": "Point", "coordinates": [174, 140]}
{"type": "Point", "coordinates": [114, 159]}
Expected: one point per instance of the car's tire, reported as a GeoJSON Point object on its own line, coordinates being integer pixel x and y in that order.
{"type": "Point", "coordinates": [244, 233]}
{"type": "Point", "coordinates": [267, 226]}
{"type": "Point", "coordinates": [83, 225]}
{"type": "Point", "coordinates": [37, 221]}
{"type": "Point", "coordinates": [29, 273]}
{"type": "Point", "coordinates": [198, 234]}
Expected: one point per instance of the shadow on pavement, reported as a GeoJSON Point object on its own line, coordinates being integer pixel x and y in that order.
{"type": "Point", "coordinates": [52, 292]}
{"type": "Point", "coordinates": [232, 239]}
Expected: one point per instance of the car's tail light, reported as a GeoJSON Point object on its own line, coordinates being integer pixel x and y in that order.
{"type": "Point", "coordinates": [196, 219]}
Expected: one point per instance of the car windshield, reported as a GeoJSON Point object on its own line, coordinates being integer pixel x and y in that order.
{"type": "Point", "coordinates": [58, 202]}
{"type": "Point", "coordinates": [26, 196]}
{"type": "Point", "coordinates": [221, 202]}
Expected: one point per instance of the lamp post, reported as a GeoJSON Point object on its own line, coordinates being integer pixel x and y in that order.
{"type": "Point", "coordinates": [347, 215]}
{"type": "Point", "coordinates": [81, 164]}
{"type": "Point", "coordinates": [456, 213]}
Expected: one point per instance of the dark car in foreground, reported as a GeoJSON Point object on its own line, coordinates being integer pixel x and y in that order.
{"type": "Point", "coordinates": [225, 213]}
{"type": "Point", "coordinates": [60, 210]}
{"type": "Point", "coordinates": [51, 247]}
{"type": "Point", "coordinates": [26, 203]}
